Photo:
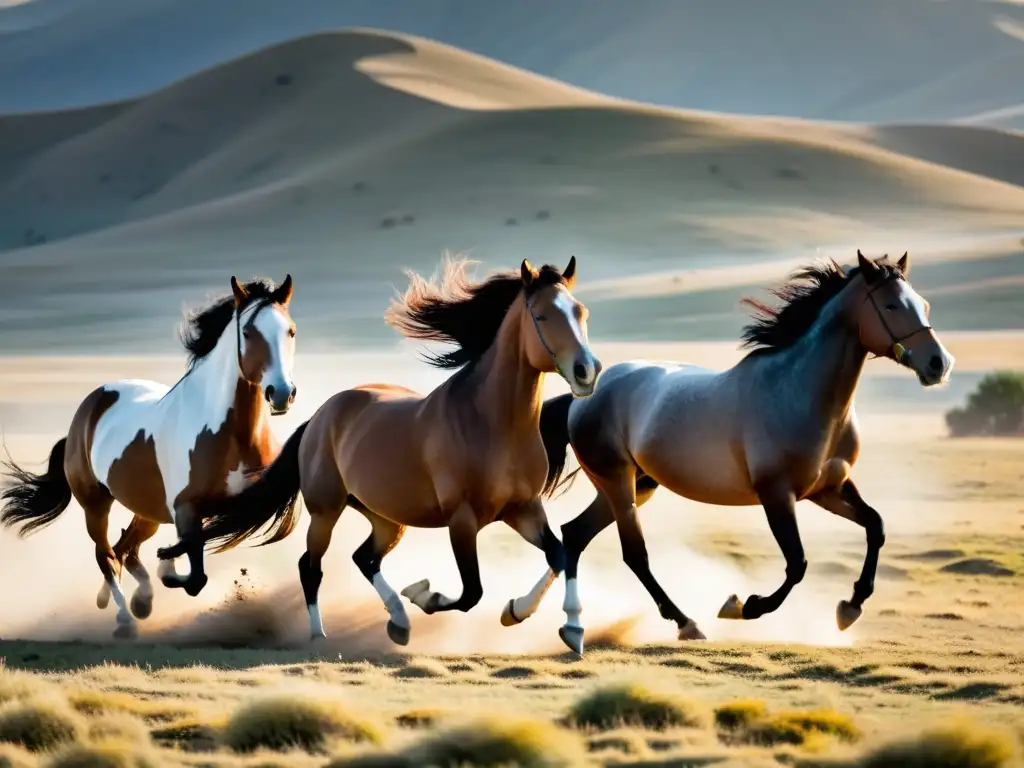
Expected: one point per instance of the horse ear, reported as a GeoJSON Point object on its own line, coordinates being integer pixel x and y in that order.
{"type": "Point", "coordinates": [868, 268]}
{"type": "Point", "coordinates": [239, 291]}
{"type": "Point", "coordinates": [904, 264]}
{"type": "Point", "coordinates": [283, 294]}
{"type": "Point", "coordinates": [569, 273]}
{"type": "Point", "coordinates": [528, 273]}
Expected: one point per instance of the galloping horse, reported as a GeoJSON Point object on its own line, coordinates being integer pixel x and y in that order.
{"type": "Point", "coordinates": [776, 428]}
{"type": "Point", "coordinates": [158, 451]}
{"type": "Point", "coordinates": [461, 457]}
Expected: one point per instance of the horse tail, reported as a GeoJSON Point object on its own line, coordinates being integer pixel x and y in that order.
{"type": "Point", "coordinates": [34, 501]}
{"type": "Point", "coordinates": [274, 496]}
{"type": "Point", "coordinates": [554, 431]}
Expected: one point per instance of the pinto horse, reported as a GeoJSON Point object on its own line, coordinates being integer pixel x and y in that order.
{"type": "Point", "coordinates": [776, 428]}
{"type": "Point", "coordinates": [158, 451]}
{"type": "Point", "coordinates": [461, 457]}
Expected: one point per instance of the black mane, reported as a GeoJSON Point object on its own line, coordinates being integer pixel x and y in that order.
{"type": "Point", "coordinates": [203, 327]}
{"type": "Point", "coordinates": [459, 311]}
{"type": "Point", "coordinates": [803, 297]}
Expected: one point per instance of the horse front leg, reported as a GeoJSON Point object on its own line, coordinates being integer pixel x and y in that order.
{"type": "Point", "coordinates": [530, 521]}
{"type": "Point", "coordinates": [190, 542]}
{"type": "Point", "coordinates": [463, 528]}
{"type": "Point", "coordinates": [846, 502]}
{"type": "Point", "coordinates": [779, 504]}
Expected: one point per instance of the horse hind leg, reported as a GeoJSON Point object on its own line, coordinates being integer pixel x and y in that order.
{"type": "Point", "coordinates": [322, 519]}
{"type": "Point", "coordinates": [142, 598]}
{"type": "Point", "coordinates": [97, 516]}
{"type": "Point", "coordinates": [463, 528]}
{"type": "Point", "coordinates": [368, 557]}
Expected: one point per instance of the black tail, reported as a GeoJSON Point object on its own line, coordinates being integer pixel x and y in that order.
{"type": "Point", "coordinates": [554, 430]}
{"type": "Point", "coordinates": [35, 501]}
{"type": "Point", "coordinates": [274, 496]}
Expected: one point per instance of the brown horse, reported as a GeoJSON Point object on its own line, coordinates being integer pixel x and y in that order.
{"type": "Point", "coordinates": [467, 454]}
{"type": "Point", "coordinates": [158, 451]}
{"type": "Point", "coordinates": [776, 428]}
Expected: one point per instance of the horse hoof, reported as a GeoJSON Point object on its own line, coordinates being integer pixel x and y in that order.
{"type": "Point", "coordinates": [689, 631]}
{"type": "Point", "coordinates": [103, 598]}
{"type": "Point", "coordinates": [399, 635]}
{"type": "Point", "coordinates": [733, 608]}
{"type": "Point", "coordinates": [195, 585]}
{"type": "Point", "coordinates": [126, 631]}
{"type": "Point", "coordinates": [317, 636]}
{"type": "Point", "coordinates": [415, 590]}
{"type": "Point", "coordinates": [846, 614]}
{"type": "Point", "coordinates": [573, 638]}
{"type": "Point", "coordinates": [141, 605]}
{"type": "Point", "coordinates": [508, 616]}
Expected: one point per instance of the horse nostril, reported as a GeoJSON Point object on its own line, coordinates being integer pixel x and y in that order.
{"type": "Point", "coordinates": [935, 364]}
{"type": "Point", "coordinates": [580, 372]}
{"type": "Point", "coordinates": [270, 391]}
{"type": "Point", "coordinates": [295, 391]}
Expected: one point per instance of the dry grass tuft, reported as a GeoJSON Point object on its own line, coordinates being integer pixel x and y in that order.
{"type": "Point", "coordinates": [740, 713]}
{"type": "Point", "coordinates": [107, 755]}
{"type": "Point", "coordinates": [14, 757]}
{"type": "Point", "coordinates": [423, 668]}
{"type": "Point", "coordinates": [797, 728]}
{"type": "Point", "coordinates": [634, 705]}
{"type": "Point", "coordinates": [90, 701]}
{"type": "Point", "coordinates": [118, 726]}
{"type": "Point", "coordinates": [290, 722]}
{"type": "Point", "coordinates": [39, 725]}
{"type": "Point", "coordinates": [420, 718]}
{"type": "Point", "coordinates": [954, 745]}
{"type": "Point", "coordinates": [15, 686]}
{"type": "Point", "coordinates": [494, 742]}
{"type": "Point", "coordinates": [189, 735]}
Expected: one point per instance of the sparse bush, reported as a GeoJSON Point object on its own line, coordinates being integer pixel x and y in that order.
{"type": "Point", "coordinates": [955, 745]}
{"type": "Point", "coordinates": [634, 705]}
{"type": "Point", "coordinates": [423, 668]}
{"type": "Point", "coordinates": [995, 407]}
{"type": "Point", "coordinates": [18, 685]}
{"type": "Point", "coordinates": [493, 742]}
{"type": "Point", "coordinates": [289, 722]}
{"type": "Point", "coordinates": [420, 718]}
{"type": "Point", "coordinates": [39, 725]}
{"type": "Point", "coordinates": [190, 735]}
{"type": "Point", "coordinates": [120, 727]}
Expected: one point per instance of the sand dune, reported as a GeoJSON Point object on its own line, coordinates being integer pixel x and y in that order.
{"type": "Point", "coordinates": [341, 157]}
{"type": "Point", "coordinates": [916, 60]}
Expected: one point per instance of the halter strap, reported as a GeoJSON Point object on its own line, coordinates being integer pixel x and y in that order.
{"type": "Point", "coordinates": [543, 341]}
{"type": "Point", "coordinates": [897, 348]}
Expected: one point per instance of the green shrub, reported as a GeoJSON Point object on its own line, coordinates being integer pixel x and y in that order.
{"type": "Point", "coordinates": [995, 407]}
{"type": "Point", "coordinates": [289, 722]}
{"type": "Point", "coordinates": [634, 705]}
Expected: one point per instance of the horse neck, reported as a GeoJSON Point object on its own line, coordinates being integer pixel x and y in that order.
{"type": "Point", "coordinates": [215, 386]}
{"type": "Point", "coordinates": [509, 389]}
{"type": "Point", "coordinates": [826, 364]}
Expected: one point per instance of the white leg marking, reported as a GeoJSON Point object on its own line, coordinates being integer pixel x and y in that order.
{"type": "Point", "coordinates": [391, 601]}
{"type": "Point", "coordinates": [524, 607]}
{"type": "Point", "coordinates": [572, 606]}
{"type": "Point", "coordinates": [166, 571]}
{"type": "Point", "coordinates": [316, 622]}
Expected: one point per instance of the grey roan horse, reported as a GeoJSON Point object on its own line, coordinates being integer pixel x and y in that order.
{"type": "Point", "coordinates": [776, 428]}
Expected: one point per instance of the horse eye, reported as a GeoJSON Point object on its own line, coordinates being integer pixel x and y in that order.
{"type": "Point", "coordinates": [890, 307]}
{"type": "Point", "coordinates": [540, 318]}
{"type": "Point", "coordinates": [291, 332]}
{"type": "Point", "coordinates": [247, 333]}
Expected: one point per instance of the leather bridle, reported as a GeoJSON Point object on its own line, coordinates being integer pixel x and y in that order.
{"type": "Point", "coordinates": [896, 348]}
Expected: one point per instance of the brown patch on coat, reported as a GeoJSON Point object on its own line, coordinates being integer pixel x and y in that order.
{"type": "Point", "coordinates": [87, 490]}
{"type": "Point", "coordinates": [135, 480]}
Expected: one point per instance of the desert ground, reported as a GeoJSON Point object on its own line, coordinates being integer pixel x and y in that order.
{"type": "Point", "coordinates": [343, 158]}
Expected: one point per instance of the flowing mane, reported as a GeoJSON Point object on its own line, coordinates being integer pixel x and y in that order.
{"type": "Point", "coordinates": [203, 327]}
{"type": "Point", "coordinates": [456, 310]}
{"type": "Point", "coordinates": [803, 296]}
